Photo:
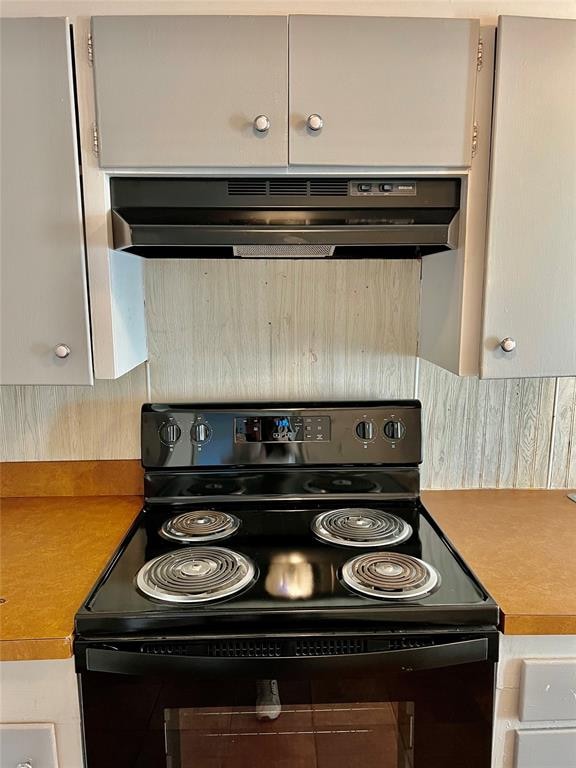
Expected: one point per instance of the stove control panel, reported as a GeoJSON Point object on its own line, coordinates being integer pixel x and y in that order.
{"type": "Point", "coordinates": [371, 433]}
{"type": "Point", "coordinates": [285, 428]}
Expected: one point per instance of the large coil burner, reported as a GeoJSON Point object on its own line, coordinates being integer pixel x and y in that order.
{"type": "Point", "coordinates": [195, 575]}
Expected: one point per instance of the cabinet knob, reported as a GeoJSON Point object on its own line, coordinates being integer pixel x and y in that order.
{"type": "Point", "coordinates": [315, 123]}
{"type": "Point", "coordinates": [62, 350]}
{"type": "Point", "coordinates": [25, 764]}
{"type": "Point", "coordinates": [508, 344]}
{"type": "Point", "coordinates": [261, 123]}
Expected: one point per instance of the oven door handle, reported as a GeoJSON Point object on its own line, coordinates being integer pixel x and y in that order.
{"type": "Point", "coordinates": [405, 660]}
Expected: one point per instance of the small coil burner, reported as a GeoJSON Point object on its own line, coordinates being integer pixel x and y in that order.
{"type": "Point", "coordinates": [201, 525]}
{"type": "Point", "coordinates": [195, 575]}
{"type": "Point", "coordinates": [358, 527]}
{"type": "Point", "coordinates": [390, 575]}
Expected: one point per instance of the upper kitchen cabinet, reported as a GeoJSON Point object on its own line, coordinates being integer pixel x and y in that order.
{"type": "Point", "coordinates": [382, 91]}
{"type": "Point", "coordinates": [45, 334]}
{"type": "Point", "coordinates": [530, 286]}
{"type": "Point", "coordinates": [191, 90]}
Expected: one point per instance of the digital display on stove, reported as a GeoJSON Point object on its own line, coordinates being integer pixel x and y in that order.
{"type": "Point", "coordinates": [282, 429]}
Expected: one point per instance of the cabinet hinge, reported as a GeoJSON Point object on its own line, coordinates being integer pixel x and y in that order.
{"type": "Point", "coordinates": [474, 139]}
{"type": "Point", "coordinates": [480, 55]}
{"type": "Point", "coordinates": [90, 49]}
{"type": "Point", "coordinates": [95, 142]}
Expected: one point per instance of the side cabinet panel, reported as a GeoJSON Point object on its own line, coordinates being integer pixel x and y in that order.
{"type": "Point", "coordinates": [530, 287]}
{"type": "Point", "coordinates": [43, 282]}
{"type": "Point", "coordinates": [390, 91]}
{"type": "Point", "coordinates": [185, 90]}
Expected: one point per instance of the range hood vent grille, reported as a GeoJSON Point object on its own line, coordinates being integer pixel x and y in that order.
{"type": "Point", "coordinates": [283, 187]}
{"type": "Point", "coordinates": [328, 187]}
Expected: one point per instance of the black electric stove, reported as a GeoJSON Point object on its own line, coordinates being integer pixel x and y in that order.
{"type": "Point", "coordinates": [288, 542]}
{"type": "Point", "coordinates": [273, 472]}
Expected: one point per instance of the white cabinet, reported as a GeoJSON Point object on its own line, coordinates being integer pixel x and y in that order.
{"type": "Point", "coordinates": [547, 689]}
{"type": "Point", "coordinates": [44, 302]}
{"type": "Point", "coordinates": [535, 719]}
{"type": "Point", "coordinates": [546, 748]}
{"type": "Point", "coordinates": [52, 320]}
{"type": "Point", "coordinates": [186, 91]}
{"type": "Point", "coordinates": [513, 282]}
{"type": "Point", "coordinates": [530, 285]}
{"type": "Point", "coordinates": [389, 91]}
{"type": "Point", "coordinates": [28, 745]}
{"type": "Point", "coordinates": [40, 714]}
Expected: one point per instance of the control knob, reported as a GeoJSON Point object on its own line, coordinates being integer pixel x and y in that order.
{"type": "Point", "coordinates": [394, 430]}
{"type": "Point", "coordinates": [169, 433]}
{"type": "Point", "coordinates": [200, 432]}
{"type": "Point", "coordinates": [365, 430]}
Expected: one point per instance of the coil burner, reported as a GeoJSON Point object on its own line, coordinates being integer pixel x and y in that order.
{"type": "Point", "coordinates": [358, 527]}
{"type": "Point", "coordinates": [200, 526]}
{"type": "Point", "coordinates": [390, 576]}
{"type": "Point", "coordinates": [195, 575]}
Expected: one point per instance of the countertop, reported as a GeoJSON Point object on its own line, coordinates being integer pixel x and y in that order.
{"type": "Point", "coordinates": [520, 544]}
{"type": "Point", "coordinates": [52, 550]}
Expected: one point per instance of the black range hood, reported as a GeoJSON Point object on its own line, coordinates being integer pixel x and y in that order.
{"type": "Point", "coordinates": [287, 217]}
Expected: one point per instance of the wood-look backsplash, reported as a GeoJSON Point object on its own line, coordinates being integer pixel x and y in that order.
{"type": "Point", "coordinates": [303, 330]}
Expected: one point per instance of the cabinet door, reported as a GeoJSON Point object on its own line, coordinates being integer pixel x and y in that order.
{"type": "Point", "coordinates": [43, 288]}
{"type": "Point", "coordinates": [185, 90]}
{"type": "Point", "coordinates": [390, 91]}
{"type": "Point", "coordinates": [530, 286]}
{"type": "Point", "coordinates": [28, 744]}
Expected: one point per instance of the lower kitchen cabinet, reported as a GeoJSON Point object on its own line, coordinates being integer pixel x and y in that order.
{"type": "Point", "coordinates": [535, 715]}
{"type": "Point", "coordinates": [40, 715]}
{"type": "Point", "coordinates": [27, 745]}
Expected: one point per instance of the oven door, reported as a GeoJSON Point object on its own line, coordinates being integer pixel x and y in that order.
{"type": "Point", "coordinates": [379, 700]}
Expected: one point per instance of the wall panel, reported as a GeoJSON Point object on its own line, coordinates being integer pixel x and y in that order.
{"type": "Point", "coordinates": [278, 329]}
{"type": "Point", "coordinates": [485, 434]}
{"type": "Point", "coordinates": [66, 423]}
{"type": "Point", "coordinates": [563, 469]}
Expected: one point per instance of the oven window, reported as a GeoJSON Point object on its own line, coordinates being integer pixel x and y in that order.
{"type": "Point", "coordinates": [391, 719]}
{"type": "Point", "coordinates": [376, 735]}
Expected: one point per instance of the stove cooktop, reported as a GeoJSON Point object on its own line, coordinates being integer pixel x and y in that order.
{"type": "Point", "coordinates": [298, 578]}
{"type": "Point", "coordinates": [266, 480]}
